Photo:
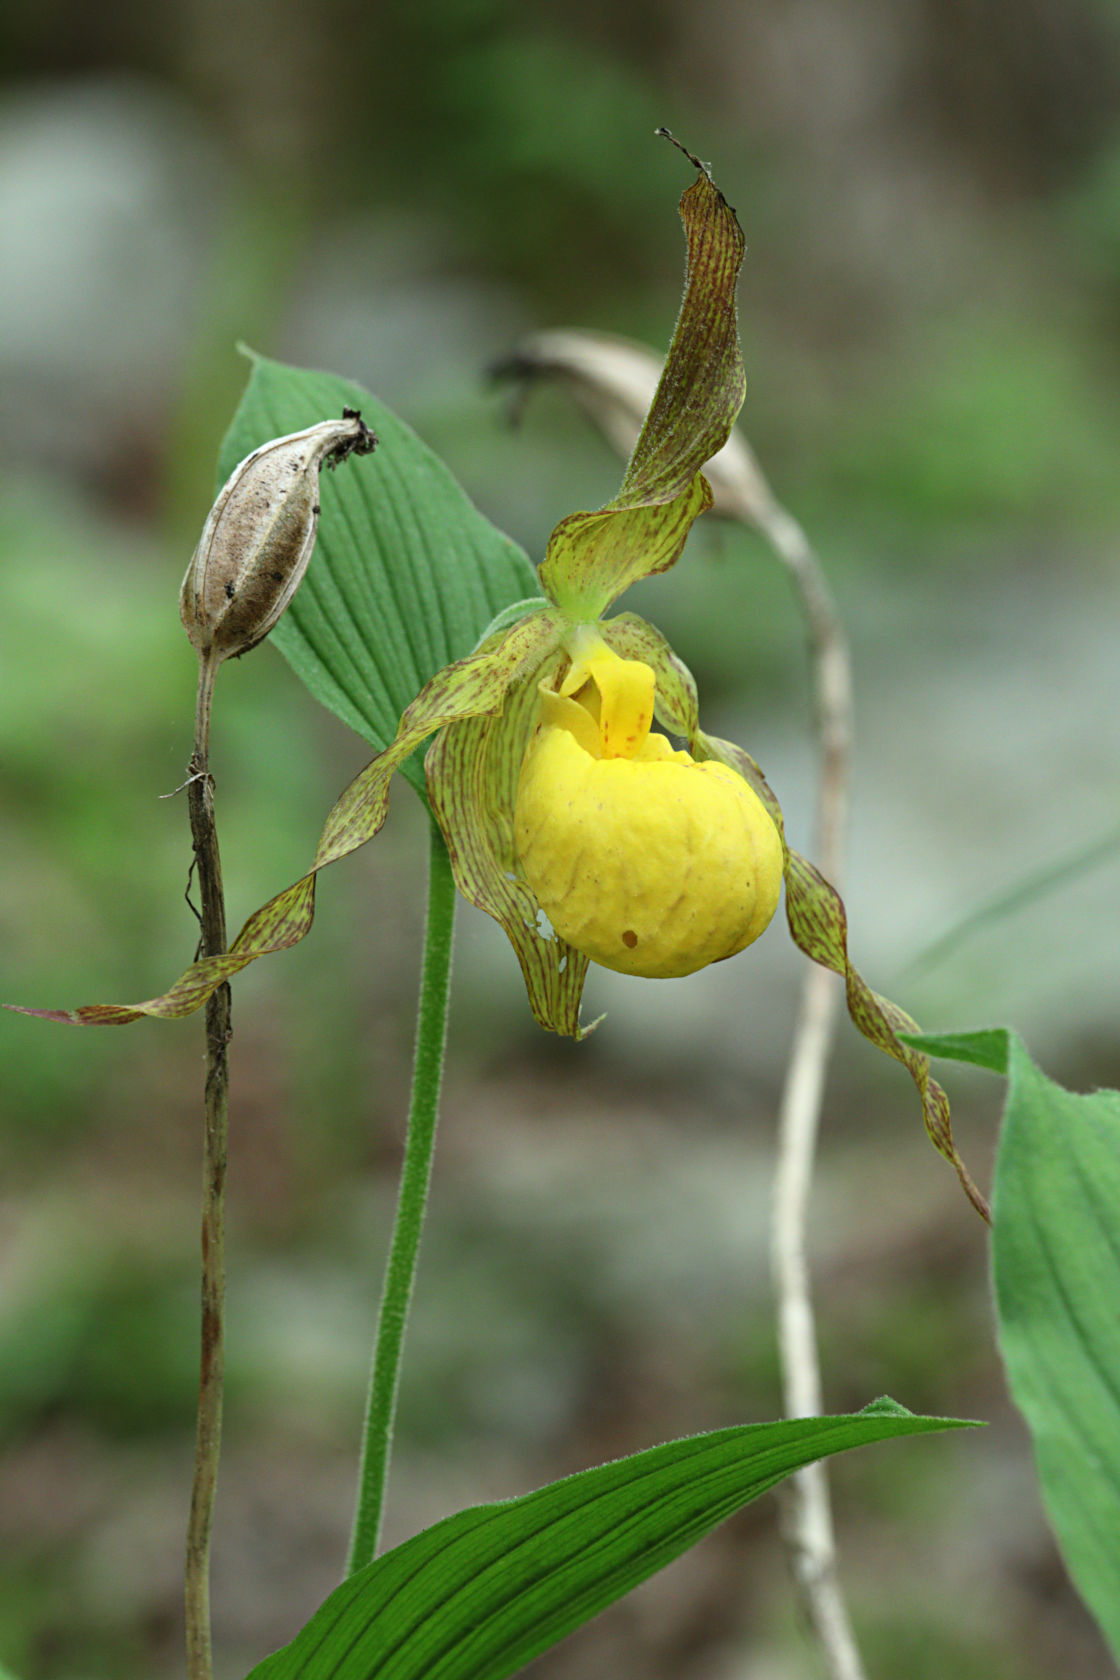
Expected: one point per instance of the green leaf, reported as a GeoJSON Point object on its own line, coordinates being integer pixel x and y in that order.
{"type": "Point", "coordinates": [1056, 1257]}
{"type": "Point", "coordinates": [478, 1595]}
{"type": "Point", "coordinates": [406, 578]}
{"type": "Point", "coordinates": [1056, 1260]}
{"type": "Point", "coordinates": [987, 1047]}
{"type": "Point", "coordinates": [406, 574]}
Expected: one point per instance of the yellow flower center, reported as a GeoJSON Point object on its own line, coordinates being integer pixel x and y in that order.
{"type": "Point", "coordinates": [645, 860]}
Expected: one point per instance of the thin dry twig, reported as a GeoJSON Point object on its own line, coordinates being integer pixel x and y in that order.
{"type": "Point", "coordinates": [807, 1513]}
{"type": "Point", "coordinates": [200, 792]}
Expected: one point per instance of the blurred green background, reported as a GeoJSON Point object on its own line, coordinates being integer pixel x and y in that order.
{"type": "Point", "coordinates": [931, 323]}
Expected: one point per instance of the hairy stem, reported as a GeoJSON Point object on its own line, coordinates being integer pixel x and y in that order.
{"type": "Point", "coordinates": [807, 1514]}
{"type": "Point", "coordinates": [208, 866]}
{"type": "Point", "coordinates": [412, 1200]}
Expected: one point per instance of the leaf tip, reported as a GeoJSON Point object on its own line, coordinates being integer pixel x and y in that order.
{"type": "Point", "coordinates": [885, 1406]}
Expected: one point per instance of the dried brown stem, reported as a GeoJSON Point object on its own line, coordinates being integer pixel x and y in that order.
{"type": "Point", "coordinates": [807, 1515]}
{"type": "Point", "coordinates": [208, 866]}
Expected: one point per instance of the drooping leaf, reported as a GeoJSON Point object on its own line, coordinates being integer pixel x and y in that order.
{"type": "Point", "coordinates": [1056, 1260]}
{"type": "Point", "coordinates": [483, 1592]}
{"type": "Point", "coordinates": [593, 557]}
{"type": "Point", "coordinates": [406, 574]}
{"type": "Point", "coordinates": [471, 687]}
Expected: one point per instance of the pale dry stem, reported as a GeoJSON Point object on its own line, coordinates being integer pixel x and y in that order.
{"type": "Point", "coordinates": [807, 1514]}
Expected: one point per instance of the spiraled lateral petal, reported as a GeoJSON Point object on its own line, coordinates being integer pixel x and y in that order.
{"type": "Point", "coordinates": [818, 925]}
{"type": "Point", "coordinates": [593, 557]}
{"type": "Point", "coordinates": [470, 686]}
{"type": "Point", "coordinates": [814, 909]}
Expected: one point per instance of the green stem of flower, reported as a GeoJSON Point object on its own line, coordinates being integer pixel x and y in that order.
{"type": "Point", "coordinates": [412, 1200]}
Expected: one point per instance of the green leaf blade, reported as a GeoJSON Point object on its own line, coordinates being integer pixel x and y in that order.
{"type": "Point", "coordinates": [987, 1047]}
{"type": "Point", "coordinates": [1056, 1260]}
{"type": "Point", "coordinates": [406, 574]}
{"type": "Point", "coordinates": [480, 1594]}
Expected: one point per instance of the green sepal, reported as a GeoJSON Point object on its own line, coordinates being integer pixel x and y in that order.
{"type": "Point", "coordinates": [593, 557]}
{"type": "Point", "coordinates": [468, 688]}
{"type": "Point", "coordinates": [472, 769]}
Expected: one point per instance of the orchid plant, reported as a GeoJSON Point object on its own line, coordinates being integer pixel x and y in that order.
{"type": "Point", "coordinates": [562, 811]}
{"type": "Point", "coordinates": [547, 663]}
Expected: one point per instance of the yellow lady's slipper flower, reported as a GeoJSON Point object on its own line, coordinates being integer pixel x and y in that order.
{"type": "Point", "coordinates": [555, 796]}
{"type": "Point", "coordinates": [643, 859]}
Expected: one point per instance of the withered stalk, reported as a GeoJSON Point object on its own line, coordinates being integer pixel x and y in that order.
{"type": "Point", "coordinates": [208, 867]}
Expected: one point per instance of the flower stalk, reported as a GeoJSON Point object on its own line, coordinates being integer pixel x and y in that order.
{"type": "Point", "coordinates": [412, 1201]}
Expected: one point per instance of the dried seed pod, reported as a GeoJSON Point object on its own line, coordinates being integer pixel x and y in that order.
{"type": "Point", "coordinates": [259, 536]}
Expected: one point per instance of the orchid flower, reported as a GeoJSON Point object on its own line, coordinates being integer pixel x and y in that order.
{"type": "Point", "coordinates": [572, 821]}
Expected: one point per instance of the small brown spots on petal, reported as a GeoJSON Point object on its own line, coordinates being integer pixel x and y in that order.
{"type": "Point", "coordinates": [630, 938]}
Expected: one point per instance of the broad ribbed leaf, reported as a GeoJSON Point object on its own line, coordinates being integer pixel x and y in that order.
{"type": "Point", "coordinates": [481, 1593]}
{"type": "Point", "coordinates": [1056, 1259]}
{"type": "Point", "coordinates": [406, 574]}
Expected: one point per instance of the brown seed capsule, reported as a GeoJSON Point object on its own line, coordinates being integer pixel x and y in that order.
{"type": "Point", "coordinates": [258, 538]}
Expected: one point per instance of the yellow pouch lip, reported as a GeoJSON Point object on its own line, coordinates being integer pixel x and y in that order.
{"type": "Point", "coordinates": [702, 884]}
